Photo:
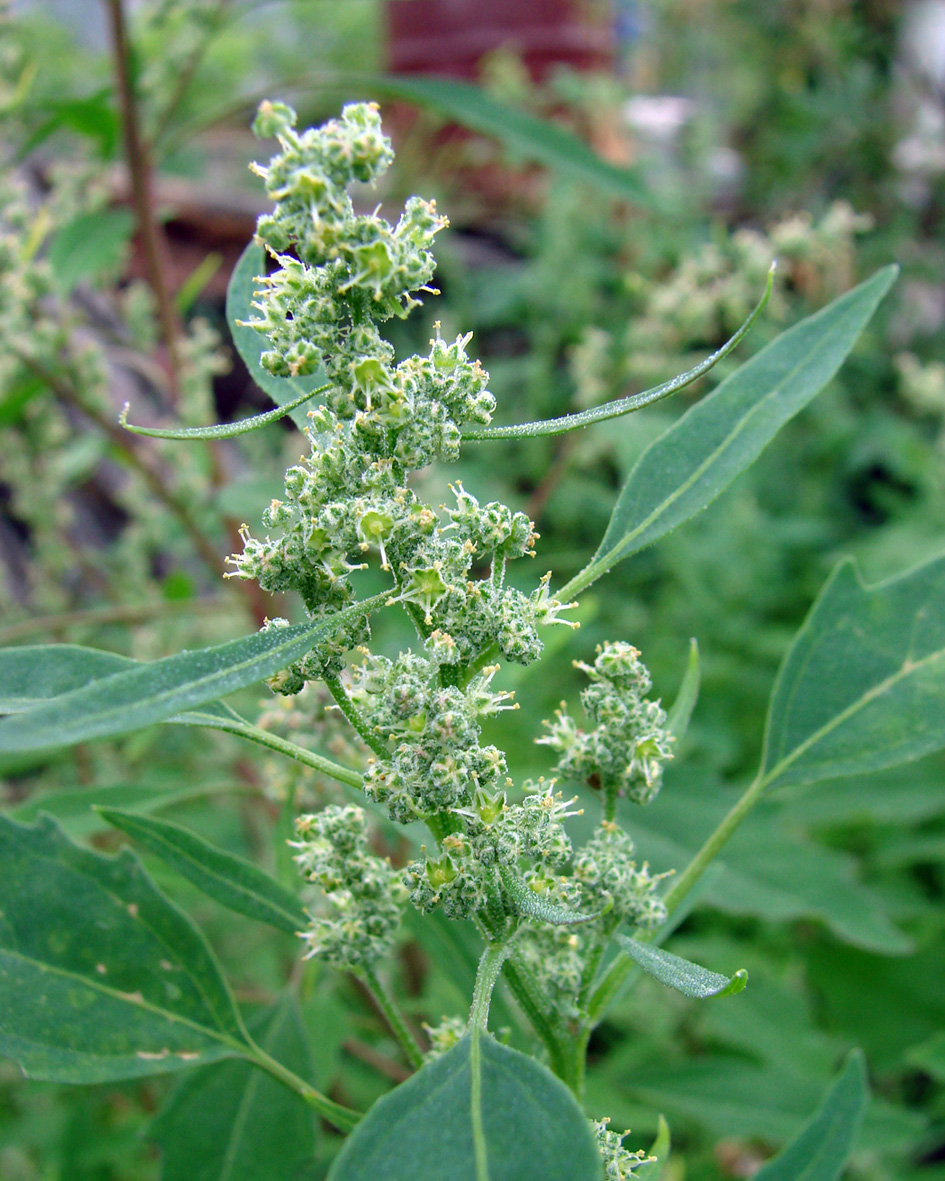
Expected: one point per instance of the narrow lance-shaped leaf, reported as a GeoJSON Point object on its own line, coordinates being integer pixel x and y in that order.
{"type": "Point", "coordinates": [156, 691]}
{"type": "Point", "coordinates": [653, 1169]}
{"type": "Point", "coordinates": [36, 672]}
{"type": "Point", "coordinates": [101, 977]}
{"type": "Point", "coordinates": [233, 882]}
{"type": "Point", "coordinates": [684, 976]}
{"type": "Point", "coordinates": [229, 1120]}
{"type": "Point", "coordinates": [534, 906]}
{"type": "Point", "coordinates": [677, 721]}
{"type": "Point", "coordinates": [251, 344]}
{"type": "Point", "coordinates": [685, 469]}
{"type": "Point", "coordinates": [823, 1146]}
{"type": "Point", "coordinates": [522, 133]}
{"type": "Point", "coordinates": [622, 406]}
{"type": "Point", "coordinates": [480, 1112]}
{"type": "Point", "coordinates": [863, 687]}
{"type": "Point", "coordinates": [226, 430]}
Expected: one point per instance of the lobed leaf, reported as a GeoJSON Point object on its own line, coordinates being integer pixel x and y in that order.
{"type": "Point", "coordinates": [251, 344]}
{"type": "Point", "coordinates": [684, 470]}
{"type": "Point", "coordinates": [233, 882]}
{"type": "Point", "coordinates": [823, 1146]}
{"type": "Point", "coordinates": [863, 686]}
{"type": "Point", "coordinates": [158, 690]}
{"type": "Point", "coordinates": [101, 977]}
{"type": "Point", "coordinates": [675, 972]}
{"type": "Point", "coordinates": [480, 1112]}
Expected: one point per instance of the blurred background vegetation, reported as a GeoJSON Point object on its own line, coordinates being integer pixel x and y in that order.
{"type": "Point", "coordinates": [725, 133]}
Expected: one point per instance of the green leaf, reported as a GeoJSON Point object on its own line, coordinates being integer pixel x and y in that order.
{"type": "Point", "coordinates": [481, 1112]}
{"type": "Point", "coordinates": [821, 1149]}
{"type": "Point", "coordinates": [155, 691]}
{"type": "Point", "coordinates": [228, 1120]}
{"type": "Point", "coordinates": [862, 687]}
{"type": "Point", "coordinates": [534, 906]}
{"type": "Point", "coordinates": [234, 883]}
{"type": "Point", "coordinates": [677, 721]}
{"type": "Point", "coordinates": [225, 430]}
{"type": "Point", "coordinates": [524, 134]}
{"type": "Point", "coordinates": [930, 1056]}
{"type": "Point", "coordinates": [88, 245]}
{"type": "Point", "coordinates": [684, 470]}
{"type": "Point", "coordinates": [622, 406]}
{"type": "Point", "coordinates": [34, 673]}
{"type": "Point", "coordinates": [675, 972]}
{"type": "Point", "coordinates": [251, 344]}
{"type": "Point", "coordinates": [659, 1149]}
{"type": "Point", "coordinates": [101, 977]}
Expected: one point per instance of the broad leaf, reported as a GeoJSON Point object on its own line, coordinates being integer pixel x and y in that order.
{"type": "Point", "coordinates": [863, 687]}
{"type": "Point", "coordinates": [481, 1112]}
{"type": "Point", "coordinates": [156, 691]}
{"type": "Point", "coordinates": [675, 972]}
{"type": "Point", "coordinates": [702, 453]}
{"type": "Point", "coordinates": [251, 344]}
{"type": "Point", "coordinates": [234, 883]}
{"type": "Point", "coordinates": [522, 133]}
{"type": "Point", "coordinates": [230, 1122]}
{"type": "Point", "coordinates": [101, 977]}
{"type": "Point", "coordinates": [820, 1151]}
{"type": "Point", "coordinates": [89, 245]}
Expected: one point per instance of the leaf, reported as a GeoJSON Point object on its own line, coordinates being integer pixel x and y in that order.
{"type": "Point", "coordinates": [480, 1112]}
{"type": "Point", "coordinates": [36, 672]}
{"type": "Point", "coordinates": [155, 691]}
{"type": "Point", "coordinates": [659, 1149]}
{"type": "Point", "coordinates": [536, 907]}
{"type": "Point", "coordinates": [101, 977]}
{"type": "Point", "coordinates": [620, 406]}
{"type": "Point", "coordinates": [684, 470]}
{"type": "Point", "coordinates": [677, 721]}
{"type": "Point", "coordinates": [228, 1121]}
{"type": "Point", "coordinates": [89, 245]}
{"type": "Point", "coordinates": [251, 344]}
{"type": "Point", "coordinates": [821, 1149]}
{"type": "Point", "coordinates": [524, 134]}
{"type": "Point", "coordinates": [234, 883]}
{"type": "Point", "coordinates": [675, 972]}
{"type": "Point", "coordinates": [225, 430]}
{"type": "Point", "coordinates": [930, 1056]}
{"type": "Point", "coordinates": [862, 687]}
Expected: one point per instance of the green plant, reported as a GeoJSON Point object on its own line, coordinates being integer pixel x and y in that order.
{"type": "Point", "coordinates": [134, 987]}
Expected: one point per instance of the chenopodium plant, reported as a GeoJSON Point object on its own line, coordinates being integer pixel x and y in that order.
{"type": "Point", "coordinates": [134, 987]}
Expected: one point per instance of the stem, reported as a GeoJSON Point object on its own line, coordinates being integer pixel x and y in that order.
{"type": "Point", "coordinates": [610, 800]}
{"type": "Point", "coordinates": [121, 439]}
{"type": "Point", "coordinates": [534, 1005]}
{"type": "Point", "coordinates": [393, 1016]}
{"type": "Point", "coordinates": [342, 1118]}
{"type": "Point", "coordinates": [347, 707]}
{"type": "Point", "coordinates": [137, 153]}
{"type": "Point", "coordinates": [490, 965]}
{"type": "Point", "coordinates": [703, 859]}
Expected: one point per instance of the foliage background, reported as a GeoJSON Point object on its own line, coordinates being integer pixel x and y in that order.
{"type": "Point", "coordinates": [831, 897]}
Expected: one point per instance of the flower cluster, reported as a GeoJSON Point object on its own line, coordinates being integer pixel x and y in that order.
{"type": "Point", "coordinates": [365, 894]}
{"type": "Point", "coordinates": [626, 750]}
{"type": "Point", "coordinates": [619, 1162]}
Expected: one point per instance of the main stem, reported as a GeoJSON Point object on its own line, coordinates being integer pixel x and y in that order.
{"type": "Point", "coordinates": [490, 965]}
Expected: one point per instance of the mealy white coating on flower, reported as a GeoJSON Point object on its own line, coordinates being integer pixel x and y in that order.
{"type": "Point", "coordinates": [619, 1162]}
{"type": "Point", "coordinates": [365, 896]}
{"type": "Point", "coordinates": [630, 743]}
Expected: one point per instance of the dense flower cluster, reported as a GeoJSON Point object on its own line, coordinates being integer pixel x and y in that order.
{"type": "Point", "coordinates": [619, 1162]}
{"type": "Point", "coordinates": [626, 750]}
{"type": "Point", "coordinates": [365, 894]}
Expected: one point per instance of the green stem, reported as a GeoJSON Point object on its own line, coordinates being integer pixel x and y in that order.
{"type": "Point", "coordinates": [347, 707]}
{"type": "Point", "coordinates": [534, 1005]}
{"type": "Point", "coordinates": [393, 1016]}
{"type": "Point", "coordinates": [490, 965]}
{"type": "Point", "coordinates": [610, 791]}
{"type": "Point", "coordinates": [342, 1118]}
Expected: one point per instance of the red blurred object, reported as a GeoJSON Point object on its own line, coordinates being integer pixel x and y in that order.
{"type": "Point", "coordinates": [449, 37]}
